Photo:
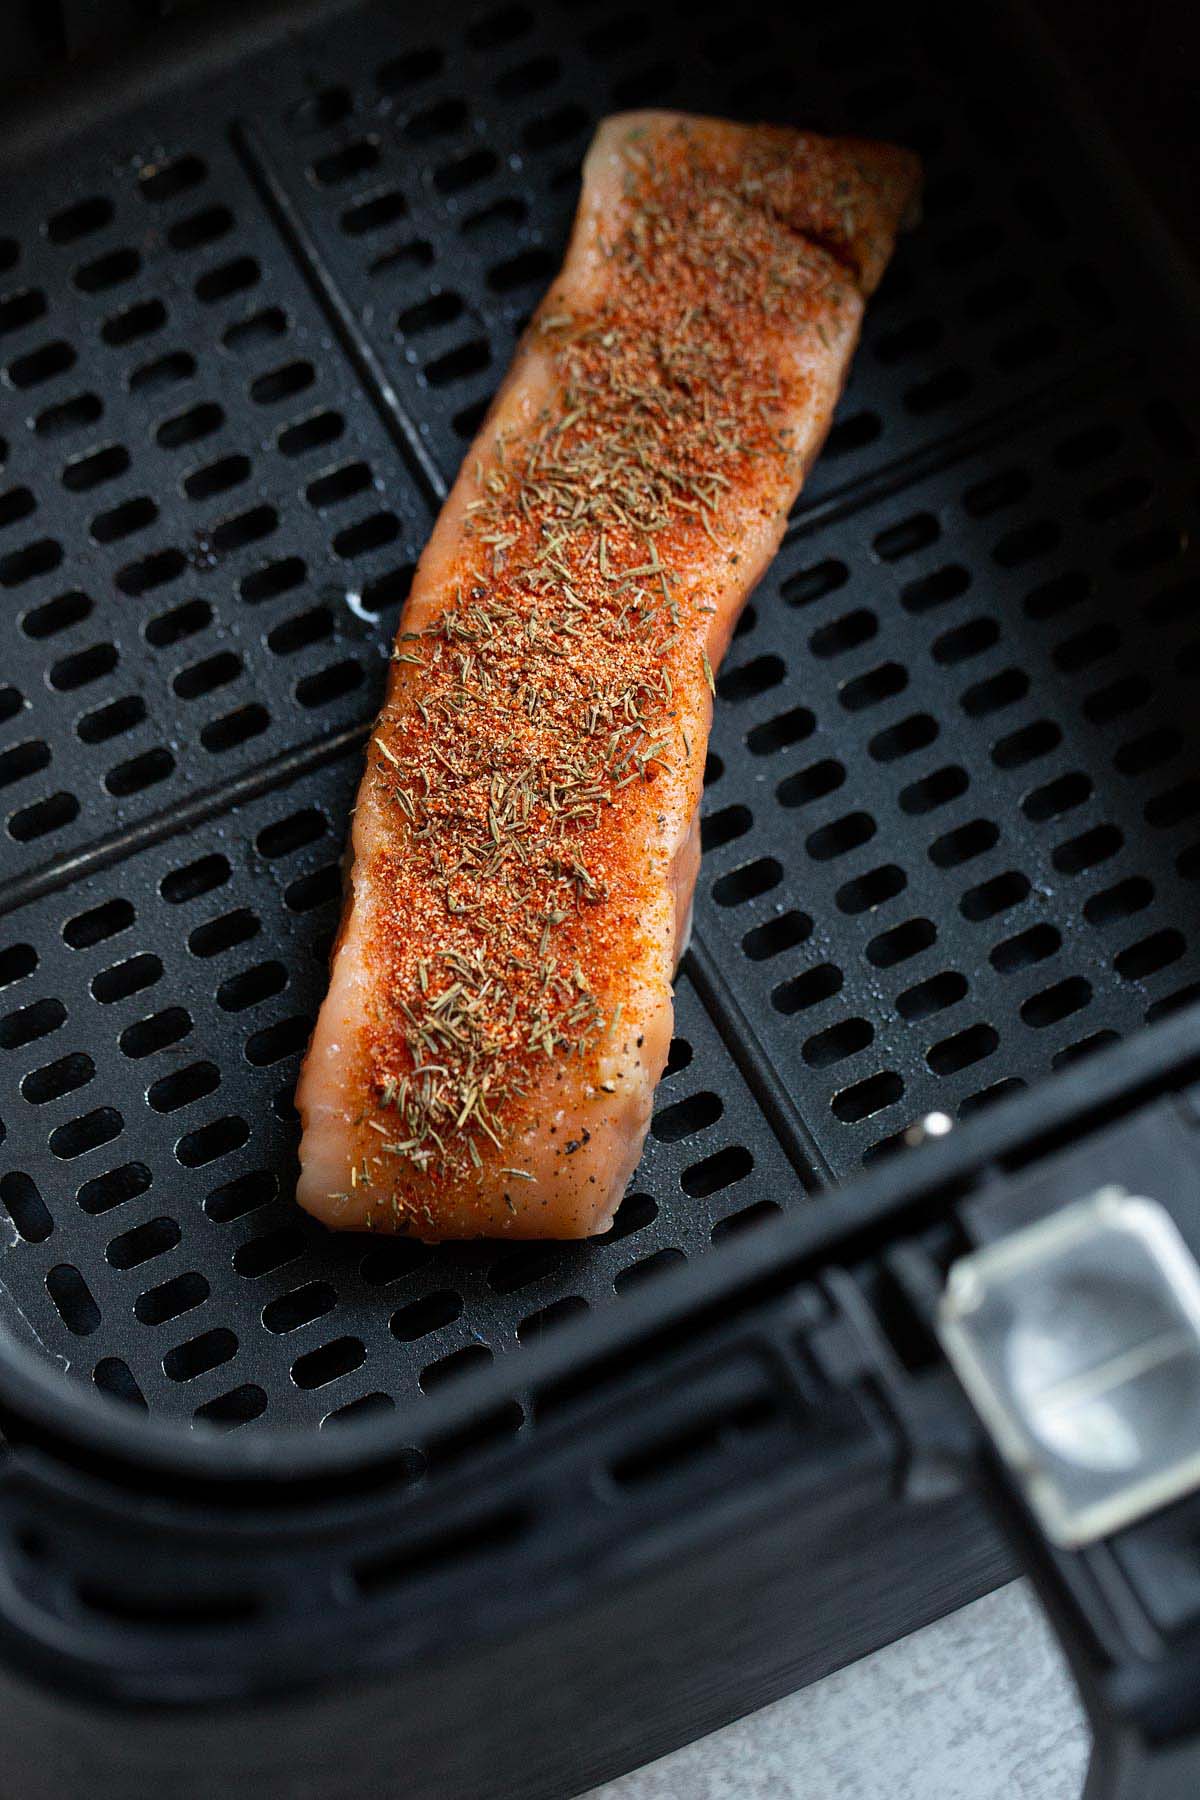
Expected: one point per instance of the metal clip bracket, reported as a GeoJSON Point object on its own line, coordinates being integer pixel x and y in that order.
{"type": "Point", "coordinates": [1077, 1340]}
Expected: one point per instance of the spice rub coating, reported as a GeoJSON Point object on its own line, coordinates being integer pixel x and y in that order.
{"type": "Point", "coordinates": [525, 842]}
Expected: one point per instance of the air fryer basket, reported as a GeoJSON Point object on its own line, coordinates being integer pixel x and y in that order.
{"type": "Point", "coordinates": [952, 826]}
{"type": "Point", "coordinates": [253, 303]}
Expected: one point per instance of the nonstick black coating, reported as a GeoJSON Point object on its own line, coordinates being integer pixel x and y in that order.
{"type": "Point", "coordinates": [952, 827]}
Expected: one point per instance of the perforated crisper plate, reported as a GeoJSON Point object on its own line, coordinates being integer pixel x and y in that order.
{"type": "Point", "coordinates": [953, 820]}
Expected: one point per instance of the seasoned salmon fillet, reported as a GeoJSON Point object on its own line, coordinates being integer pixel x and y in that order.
{"type": "Point", "coordinates": [526, 837]}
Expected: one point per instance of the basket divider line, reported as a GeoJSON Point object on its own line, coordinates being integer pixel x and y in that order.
{"type": "Point", "coordinates": [281, 770]}
{"type": "Point", "coordinates": [301, 246]}
{"type": "Point", "coordinates": [988, 433]}
{"type": "Point", "coordinates": [758, 1069]}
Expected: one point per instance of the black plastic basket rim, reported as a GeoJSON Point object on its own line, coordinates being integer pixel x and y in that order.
{"type": "Point", "coordinates": [87, 1424]}
{"type": "Point", "coordinates": [185, 46]}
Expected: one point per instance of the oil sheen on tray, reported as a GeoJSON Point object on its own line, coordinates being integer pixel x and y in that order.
{"type": "Point", "coordinates": [526, 837]}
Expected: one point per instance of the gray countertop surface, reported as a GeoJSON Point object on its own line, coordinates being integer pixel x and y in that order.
{"type": "Point", "coordinates": [976, 1707]}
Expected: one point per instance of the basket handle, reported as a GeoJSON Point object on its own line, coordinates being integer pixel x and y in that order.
{"type": "Point", "coordinates": [1074, 1341]}
{"type": "Point", "coordinates": [1141, 1698]}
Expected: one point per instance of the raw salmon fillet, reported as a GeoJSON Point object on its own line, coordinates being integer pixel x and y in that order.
{"type": "Point", "coordinates": [526, 836]}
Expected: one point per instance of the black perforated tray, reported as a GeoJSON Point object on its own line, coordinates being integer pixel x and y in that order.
{"type": "Point", "coordinates": [952, 829]}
